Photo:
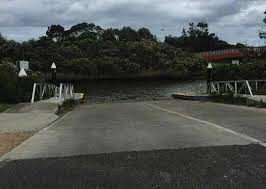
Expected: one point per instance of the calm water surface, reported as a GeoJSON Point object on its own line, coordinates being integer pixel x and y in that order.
{"type": "Point", "coordinates": [110, 90]}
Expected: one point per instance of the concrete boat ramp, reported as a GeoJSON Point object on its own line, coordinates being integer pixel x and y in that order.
{"type": "Point", "coordinates": [150, 125]}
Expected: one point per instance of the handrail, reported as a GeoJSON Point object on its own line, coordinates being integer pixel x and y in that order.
{"type": "Point", "coordinates": [238, 87]}
{"type": "Point", "coordinates": [66, 91]}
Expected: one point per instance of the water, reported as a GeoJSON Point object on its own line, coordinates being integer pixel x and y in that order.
{"type": "Point", "coordinates": [112, 90]}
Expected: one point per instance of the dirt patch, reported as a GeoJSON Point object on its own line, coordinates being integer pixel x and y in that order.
{"type": "Point", "coordinates": [8, 141]}
{"type": "Point", "coordinates": [222, 167]}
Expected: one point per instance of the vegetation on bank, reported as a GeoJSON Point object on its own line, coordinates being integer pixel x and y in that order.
{"type": "Point", "coordinates": [198, 39]}
{"type": "Point", "coordinates": [244, 71]}
{"type": "Point", "coordinates": [91, 50]}
{"type": "Point", "coordinates": [13, 89]}
{"type": "Point", "coordinates": [238, 100]}
{"type": "Point", "coordinates": [3, 107]}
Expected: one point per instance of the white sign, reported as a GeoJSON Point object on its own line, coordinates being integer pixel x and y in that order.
{"type": "Point", "coordinates": [24, 65]}
{"type": "Point", "coordinates": [53, 66]}
{"type": "Point", "coordinates": [22, 73]}
{"type": "Point", "coordinates": [235, 62]}
{"type": "Point", "coordinates": [209, 66]}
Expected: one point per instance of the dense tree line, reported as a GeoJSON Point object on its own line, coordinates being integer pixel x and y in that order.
{"type": "Point", "coordinates": [198, 39]}
{"type": "Point", "coordinates": [89, 49]}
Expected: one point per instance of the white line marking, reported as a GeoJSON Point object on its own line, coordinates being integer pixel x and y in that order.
{"type": "Point", "coordinates": [209, 123]}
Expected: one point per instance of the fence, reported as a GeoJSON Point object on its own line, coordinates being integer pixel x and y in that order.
{"type": "Point", "coordinates": [242, 87]}
{"type": "Point", "coordinates": [46, 91]}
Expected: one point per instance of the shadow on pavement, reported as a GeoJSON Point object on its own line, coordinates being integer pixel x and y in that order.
{"type": "Point", "coordinates": [205, 167]}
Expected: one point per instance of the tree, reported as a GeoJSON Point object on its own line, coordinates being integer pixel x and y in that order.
{"type": "Point", "coordinates": [197, 39]}
{"type": "Point", "coordinates": [128, 34]}
{"type": "Point", "coordinates": [83, 29]}
{"type": "Point", "coordinates": [145, 33]}
{"type": "Point", "coordinates": [240, 45]}
{"type": "Point", "coordinates": [109, 34]}
{"type": "Point", "coordinates": [55, 32]}
{"type": "Point", "coordinates": [88, 49]}
{"type": "Point", "coordinates": [184, 33]}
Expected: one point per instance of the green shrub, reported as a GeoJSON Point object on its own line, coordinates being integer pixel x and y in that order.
{"type": "Point", "coordinates": [251, 103]}
{"type": "Point", "coordinates": [26, 86]}
{"type": "Point", "coordinates": [261, 104]}
{"type": "Point", "coordinates": [255, 70]}
{"type": "Point", "coordinates": [8, 83]}
{"type": "Point", "coordinates": [13, 89]}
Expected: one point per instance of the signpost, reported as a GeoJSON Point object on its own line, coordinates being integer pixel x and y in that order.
{"type": "Point", "coordinates": [22, 74]}
{"type": "Point", "coordinates": [53, 68]}
{"type": "Point", "coordinates": [24, 65]}
{"type": "Point", "coordinates": [209, 77]}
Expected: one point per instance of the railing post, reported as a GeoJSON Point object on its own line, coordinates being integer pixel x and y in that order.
{"type": "Point", "coordinates": [43, 91]}
{"type": "Point", "coordinates": [249, 89]}
{"type": "Point", "coordinates": [33, 93]}
{"type": "Point", "coordinates": [236, 91]}
{"type": "Point", "coordinates": [60, 90]}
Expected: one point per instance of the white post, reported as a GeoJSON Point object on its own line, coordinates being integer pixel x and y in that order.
{"type": "Point", "coordinates": [60, 90]}
{"type": "Point", "coordinates": [43, 91]}
{"type": "Point", "coordinates": [226, 88]}
{"type": "Point", "coordinates": [72, 91]}
{"type": "Point", "coordinates": [33, 93]}
{"type": "Point", "coordinates": [249, 89]}
{"type": "Point", "coordinates": [67, 87]}
{"type": "Point", "coordinates": [235, 88]}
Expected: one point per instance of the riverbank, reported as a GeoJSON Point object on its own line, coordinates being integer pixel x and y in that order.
{"type": "Point", "coordinates": [138, 76]}
{"type": "Point", "coordinates": [238, 100]}
{"type": "Point", "coordinates": [3, 107]}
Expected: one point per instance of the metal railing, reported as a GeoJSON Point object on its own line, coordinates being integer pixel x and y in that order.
{"type": "Point", "coordinates": [241, 87]}
{"type": "Point", "coordinates": [46, 91]}
{"type": "Point", "coordinates": [66, 91]}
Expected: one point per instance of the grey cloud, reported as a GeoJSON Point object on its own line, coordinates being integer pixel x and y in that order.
{"type": "Point", "coordinates": [233, 20]}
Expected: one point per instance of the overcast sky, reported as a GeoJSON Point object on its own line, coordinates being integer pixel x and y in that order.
{"type": "Point", "coordinates": [232, 20]}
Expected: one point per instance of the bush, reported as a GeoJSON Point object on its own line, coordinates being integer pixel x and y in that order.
{"type": "Point", "coordinates": [26, 86]}
{"type": "Point", "coordinates": [13, 90]}
{"type": "Point", "coordinates": [256, 70]}
{"type": "Point", "coordinates": [238, 100]}
{"type": "Point", "coordinates": [8, 83]}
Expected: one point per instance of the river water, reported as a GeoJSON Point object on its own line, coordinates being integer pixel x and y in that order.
{"type": "Point", "coordinates": [112, 90]}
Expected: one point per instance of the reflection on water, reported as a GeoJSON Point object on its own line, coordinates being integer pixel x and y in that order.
{"type": "Point", "coordinates": [110, 90]}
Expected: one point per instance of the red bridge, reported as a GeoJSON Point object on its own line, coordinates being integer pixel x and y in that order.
{"type": "Point", "coordinates": [231, 54]}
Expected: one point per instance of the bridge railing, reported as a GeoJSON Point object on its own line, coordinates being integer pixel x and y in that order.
{"type": "Point", "coordinates": [45, 91]}
{"type": "Point", "coordinates": [66, 91]}
{"type": "Point", "coordinates": [241, 87]}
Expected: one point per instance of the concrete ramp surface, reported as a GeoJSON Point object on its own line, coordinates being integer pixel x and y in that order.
{"type": "Point", "coordinates": [134, 126]}
{"type": "Point", "coordinates": [27, 117]}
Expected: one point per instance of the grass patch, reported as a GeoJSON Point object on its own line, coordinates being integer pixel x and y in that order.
{"type": "Point", "coordinates": [238, 100]}
{"type": "Point", "coordinates": [3, 107]}
{"type": "Point", "coordinates": [67, 106]}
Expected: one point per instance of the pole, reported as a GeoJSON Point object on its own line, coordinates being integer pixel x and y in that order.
{"type": "Point", "coordinates": [209, 77]}
{"type": "Point", "coordinates": [53, 76]}
{"type": "Point", "coordinates": [208, 81]}
{"type": "Point", "coordinates": [19, 89]}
